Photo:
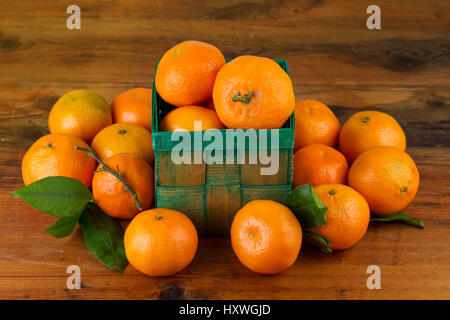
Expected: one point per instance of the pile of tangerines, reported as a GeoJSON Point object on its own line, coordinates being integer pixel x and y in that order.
{"type": "Point", "coordinates": [369, 173]}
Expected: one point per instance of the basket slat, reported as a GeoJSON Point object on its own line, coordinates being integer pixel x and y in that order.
{"type": "Point", "coordinates": [275, 193]}
{"type": "Point", "coordinates": [222, 202]}
{"type": "Point", "coordinates": [170, 174]}
{"type": "Point", "coordinates": [251, 173]}
{"type": "Point", "coordinates": [223, 174]}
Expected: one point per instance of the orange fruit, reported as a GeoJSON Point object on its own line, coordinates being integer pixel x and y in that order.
{"type": "Point", "coordinates": [266, 236]}
{"type": "Point", "coordinates": [186, 73]}
{"type": "Point", "coordinates": [319, 164]}
{"type": "Point", "coordinates": [367, 129]}
{"type": "Point", "coordinates": [347, 216]}
{"type": "Point", "coordinates": [110, 193]}
{"type": "Point", "coordinates": [160, 242]}
{"type": "Point", "coordinates": [315, 123]}
{"type": "Point", "coordinates": [253, 92]}
{"type": "Point", "coordinates": [80, 113]}
{"type": "Point", "coordinates": [387, 177]}
{"type": "Point", "coordinates": [134, 106]}
{"type": "Point", "coordinates": [124, 138]}
{"type": "Point", "coordinates": [182, 119]}
{"type": "Point", "coordinates": [55, 155]}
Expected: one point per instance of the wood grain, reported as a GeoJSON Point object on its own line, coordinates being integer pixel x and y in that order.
{"type": "Point", "coordinates": [403, 69]}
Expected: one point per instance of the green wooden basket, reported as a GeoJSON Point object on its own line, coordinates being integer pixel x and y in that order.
{"type": "Point", "coordinates": [211, 194]}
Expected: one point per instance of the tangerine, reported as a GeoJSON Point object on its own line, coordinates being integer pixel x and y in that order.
{"type": "Point", "coordinates": [160, 242]}
{"type": "Point", "coordinates": [183, 118]}
{"type": "Point", "coordinates": [124, 138]}
{"type": "Point", "coordinates": [387, 177]}
{"type": "Point", "coordinates": [80, 113]}
{"type": "Point", "coordinates": [367, 129]}
{"type": "Point", "coordinates": [347, 216]}
{"type": "Point", "coordinates": [319, 164]}
{"type": "Point", "coordinates": [315, 123]}
{"type": "Point", "coordinates": [253, 92]}
{"type": "Point", "coordinates": [186, 73]}
{"type": "Point", "coordinates": [134, 106]}
{"type": "Point", "coordinates": [266, 236]}
{"type": "Point", "coordinates": [55, 155]}
{"type": "Point", "coordinates": [111, 194]}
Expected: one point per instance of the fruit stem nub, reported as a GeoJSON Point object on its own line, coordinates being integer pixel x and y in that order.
{"type": "Point", "coordinates": [117, 174]}
{"type": "Point", "coordinates": [244, 99]}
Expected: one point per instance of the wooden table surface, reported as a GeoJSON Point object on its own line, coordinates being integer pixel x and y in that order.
{"type": "Point", "coordinates": [403, 69]}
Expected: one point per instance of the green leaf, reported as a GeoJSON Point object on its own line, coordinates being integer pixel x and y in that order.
{"type": "Point", "coordinates": [307, 207]}
{"type": "Point", "coordinates": [317, 240]}
{"type": "Point", "coordinates": [402, 217]}
{"type": "Point", "coordinates": [57, 196]}
{"type": "Point", "coordinates": [64, 226]}
{"type": "Point", "coordinates": [104, 237]}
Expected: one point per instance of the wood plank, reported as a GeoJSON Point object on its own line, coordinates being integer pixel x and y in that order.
{"type": "Point", "coordinates": [351, 55]}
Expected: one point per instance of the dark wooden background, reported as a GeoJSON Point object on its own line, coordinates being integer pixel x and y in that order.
{"type": "Point", "coordinates": [402, 69]}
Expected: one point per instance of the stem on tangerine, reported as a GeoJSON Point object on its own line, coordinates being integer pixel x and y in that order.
{"type": "Point", "coordinates": [244, 99]}
{"type": "Point", "coordinates": [117, 174]}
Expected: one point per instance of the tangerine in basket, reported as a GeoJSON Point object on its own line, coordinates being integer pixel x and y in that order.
{"type": "Point", "coordinates": [183, 118]}
{"type": "Point", "coordinates": [186, 73]}
{"type": "Point", "coordinates": [253, 92]}
{"type": "Point", "coordinates": [266, 236]}
{"type": "Point", "coordinates": [160, 242]}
